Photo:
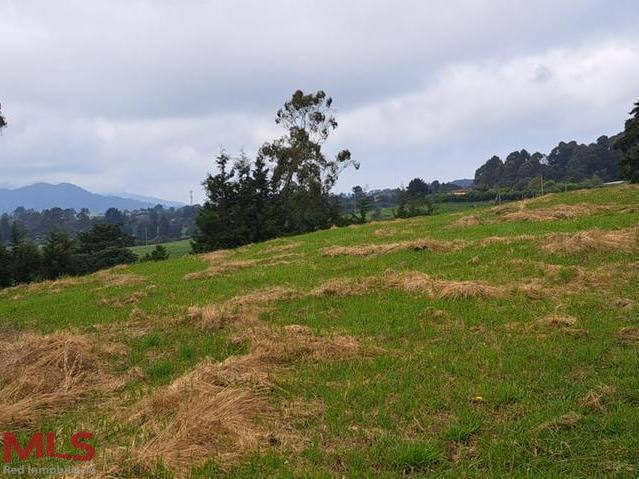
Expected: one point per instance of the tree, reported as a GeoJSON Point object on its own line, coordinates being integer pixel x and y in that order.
{"type": "Point", "coordinates": [362, 204]}
{"type": "Point", "coordinates": [286, 189]}
{"type": "Point", "coordinates": [417, 188]}
{"type": "Point", "coordinates": [628, 143]}
{"type": "Point", "coordinates": [57, 254]}
{"type": "Point", "coordinates": [114, 216]}
{"type": "Point", "coordinates": [159, 253]}
{"type": "Point", "coordinates": [489, 174]}
{"type": "Point", "coordinates": [26, 260]}
{"type": "Point", "coordinates": [302, 175]}
{"type": "Point", "coordinates": [3, 121]}
{"type": "Point", "coordinates": [6, 267]}
{"type": "Point", "coordinates": [102, 247]}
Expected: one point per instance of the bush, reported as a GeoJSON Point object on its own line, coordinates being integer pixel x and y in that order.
{"type": "Point", "coordinates": [159, 253]}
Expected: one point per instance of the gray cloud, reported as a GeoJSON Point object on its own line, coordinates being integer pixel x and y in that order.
{"type": "Point", "coordinates": [139, 95]}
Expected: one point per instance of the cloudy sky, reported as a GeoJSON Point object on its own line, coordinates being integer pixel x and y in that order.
{"type": "Point", "coordinates": [139, 96]}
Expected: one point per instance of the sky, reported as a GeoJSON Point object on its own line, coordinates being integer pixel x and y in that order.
{"type": "Point", "coordinates": [139, 96]}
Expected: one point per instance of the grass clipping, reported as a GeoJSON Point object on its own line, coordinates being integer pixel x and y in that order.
{"type": "Point", "coordinates": [386, 248]}
{"type": "Point", "coordinates": [221, 410]}
{"type": "Point", "coordinates": [46, 375]}
{"type": "Point", "coordinates": [625, 240]}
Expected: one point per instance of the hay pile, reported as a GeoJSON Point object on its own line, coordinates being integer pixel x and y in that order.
{"type": "Point", "coordinates": [411, 282]}
{"type": "Point", "coordinates": [626, 240]}
{"type": "Point", "coordinates": [220, 264]}
{"type": "Point", "coordinates": [243, 309]}
{"type": "Point", "coordinates": [558, 212]}
{"type": "Point", "coordinates": [385, 248]}
{"type": "Point", "coordinates": [47, 374]}
{"type": "Point", "coordinates": [220, 410]}
{"type": "Point", "coordinates": [470, 220]}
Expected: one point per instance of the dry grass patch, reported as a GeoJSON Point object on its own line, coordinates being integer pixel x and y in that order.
{"type": "Point", "coordinates": [243, 309]}
{"type": "Point", "coordinates": [187, 425]}
{"type": "Point", "coordinates": [224, 266]}
{"type": "Point", "coordinates": [345, 287]}
{"type": "Point", "coordinates": [297, 342]}
{"type": "Point", "coordinates": [416, 282]}
{"type": "Point", "coordinates": [219, 411]}
{"type": "Point", "coordinates": [565, 421]}
{"type": "Point", "coordinates": [557, 320]}
{"type": "Point", "coordinates": [558, 212]}
{"type": "Point", "coordinates": [281, 248]}
{"type": "Point", "coordinates": [490, 240]}
{"type": "Point", "coordinates": [625, 240]}
{"type": "Point", "coordinates": [48, 374]}
{"type": "Point", "coordinates": [110, 278]}
{"type": "Point", "coordinates": [411, 282]}
{"type": "Point", "coordinates": [471, 220]}
{"type": "Point", "coordinates": [629, 335]}
{"type": "Point", "coordinates": [594, 398]}
{"type": "Point", "coordinates": [385, 248]}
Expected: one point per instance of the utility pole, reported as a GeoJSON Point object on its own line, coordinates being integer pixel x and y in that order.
{"type": "Point", "coordinates": [542, 184]}
{"type": "Point", "coordinates": [191, 197]}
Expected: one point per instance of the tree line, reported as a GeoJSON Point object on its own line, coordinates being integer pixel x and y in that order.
{"type": "Point", "coordinates": [103, 246]}
{"type": "Point", "coordinates": [607, 159]}
{"type": "Point", "coordinates": [146, 226]}
{"type": "Point", "coordinates": [567, 162]}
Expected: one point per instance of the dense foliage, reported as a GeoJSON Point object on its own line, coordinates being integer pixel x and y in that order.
{"type": "Point", "coordinates": [567, 162]}
{"type": "Point", "coordinates": [285, 190]}
{"type": "Point", "coordinates": [22, 261]}
{"type": "Point", "coordinates": [628, 143]}
{"type": "Point", "coordinates": [147, 226]}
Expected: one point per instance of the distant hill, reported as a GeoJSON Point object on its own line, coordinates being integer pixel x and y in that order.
{"type": "Point", "coordinates": [42, 196]}
{"type": "Point", "coordinates": [463, 183]}
{"type": "Point", "coordinates": [151, 199]}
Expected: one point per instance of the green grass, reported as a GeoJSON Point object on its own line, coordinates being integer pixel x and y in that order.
{"type": "Point", "coordinates": [175, 249]}
{"type": "Point", "coordinates": [467, 393]}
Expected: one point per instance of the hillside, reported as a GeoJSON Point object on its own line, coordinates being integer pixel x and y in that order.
{"type": "Point", "coordinates": [42, 196]}
{"type": "Point", "coordinates": [492, 343]}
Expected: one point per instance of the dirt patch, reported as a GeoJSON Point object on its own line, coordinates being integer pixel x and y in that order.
{"type": "Point", "coordinates": [47, 375]}
{"type": "Point", "coordinates": [626, 240]}
{"type": "Point", "coordinates": [386, 248]}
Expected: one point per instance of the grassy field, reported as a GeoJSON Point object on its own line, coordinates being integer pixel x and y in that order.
{"type": "Point", "coordinates": [497, 342]}
{"type": "Point", "coordinates": [176, 249]}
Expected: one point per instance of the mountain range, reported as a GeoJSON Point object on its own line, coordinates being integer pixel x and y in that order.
{"type": "Point", "coordinates": [41, 196]}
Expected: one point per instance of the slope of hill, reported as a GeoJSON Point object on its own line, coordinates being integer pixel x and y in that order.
{"type": "Point", "coordinates": [494, 343]}
{"type": "Point", "coordinates": [41, 196]}
{"type": "Point", "coordinates": [151, 199]}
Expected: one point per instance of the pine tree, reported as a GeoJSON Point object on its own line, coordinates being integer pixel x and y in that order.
{"type": "Point", "coordinates": [628, 143]}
